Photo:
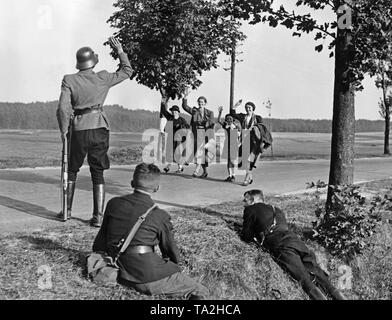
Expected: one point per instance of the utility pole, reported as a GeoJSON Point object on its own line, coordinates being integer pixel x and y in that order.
{"type": "Point", "coordinates": [268, 105]}
{"type": "Point", "coordinates": [232, 75]}
{"type": "Point", "coordinates": [233, 62]}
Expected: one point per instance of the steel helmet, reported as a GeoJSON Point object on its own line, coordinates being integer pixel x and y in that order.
{"type": "Point", "coordinates": [86, 58]}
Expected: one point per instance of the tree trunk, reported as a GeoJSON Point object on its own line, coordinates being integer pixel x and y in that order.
{"type": "Point", "coordinates": [387, 129]}
{"type": "Point", "coordinates": [387, 115]}
{"type": "Point", "coordinates": [343, 122]}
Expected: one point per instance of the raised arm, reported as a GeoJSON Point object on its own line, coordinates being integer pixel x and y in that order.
{"type": "Point", "coordinates": [233, 111]}
{"type": "Point", "coordinates": [125, 70]}
{"type": "Point", "coordinates": [185, 102]}
{"type": "Point", "coordinates": [164, 111]}
{"type": "Point", "coordinates": [220, 109]}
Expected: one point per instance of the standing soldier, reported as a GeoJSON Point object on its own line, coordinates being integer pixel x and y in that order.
{"type": "Point", "coordinates": [83, 95]}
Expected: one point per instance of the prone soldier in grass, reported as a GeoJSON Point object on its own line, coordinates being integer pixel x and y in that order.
{"type": "Point", "coordinates": [82, 96]}
{"type": "Point", "coordinates": [267, 226]}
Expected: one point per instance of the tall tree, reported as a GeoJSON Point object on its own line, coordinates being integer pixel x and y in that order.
{"type": "Point", "coordinates": [356, 37]}
{"type": "Point", "coordinates": [170, 43]}
{"type": "Point", "coordinates": [385, 106]}
{"type": "Point", "coordinates": [380, 67]}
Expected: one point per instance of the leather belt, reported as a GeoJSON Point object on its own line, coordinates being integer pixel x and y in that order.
{"type": "Point", "coordinates": [94, 109]}
{"type": "Point", "coordinates": [140, 249]}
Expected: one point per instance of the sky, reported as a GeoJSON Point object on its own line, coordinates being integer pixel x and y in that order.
{"type": "Point", "coordinates": [39, 39]}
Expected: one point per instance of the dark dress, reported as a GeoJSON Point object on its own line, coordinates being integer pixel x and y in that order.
{"type": "Point", "coordinates": [255, 147]}
{"type": "Point", "coordinates": [230, 148]}
{"type": "Point", "coordinates": [178, 124]}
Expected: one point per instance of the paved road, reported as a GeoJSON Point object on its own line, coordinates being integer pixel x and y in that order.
{"type": "Point", "coordinates": [30, 198]}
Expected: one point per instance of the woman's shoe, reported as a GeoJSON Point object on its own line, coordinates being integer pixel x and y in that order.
{"type": "Point", "coordinates": [248, 180]}
{"type": "Point", "coordinates": [204, 175]}
{"type": "Point", "coordinates": [166, 170]}
{"type": "Point", "coordinates": [180, 170]}
{"type": "Point", "coordinates": [232, 179]}
{"type": "Point", "coordinates": [228, 179]}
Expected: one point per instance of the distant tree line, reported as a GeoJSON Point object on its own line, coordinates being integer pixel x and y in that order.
{"type": "Point", "coordinates": [42, 115]}
{"type": "Point", "coordinates": [320, 126]}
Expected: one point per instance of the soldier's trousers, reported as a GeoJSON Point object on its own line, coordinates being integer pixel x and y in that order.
{"type": "Point", "coordinates": [297, 259]}
{"type": "Point", "coordinates": [178, 285]}
{"type": "Point", "coordinates": [95, 144]}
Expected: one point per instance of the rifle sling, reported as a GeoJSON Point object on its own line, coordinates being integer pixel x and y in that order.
{"type": "Point", "coordinates": [133, 231]}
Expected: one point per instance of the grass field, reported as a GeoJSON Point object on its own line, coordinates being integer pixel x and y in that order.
{"type": "Point", "coordinates": [50, 263]}
{"type": "Point", "coordinates": [37, 148]}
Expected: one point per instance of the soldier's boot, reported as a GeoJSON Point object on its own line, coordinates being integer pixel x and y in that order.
{"type": "Point", "coordinates": [98, 205]}
{"type": "Point", "coordinates": [196, 297]}
{"type": "Point", "coordinates": [70, 196]}
{"type": "Point", "coordinates": [316, 294]}
{"type": "Point", "coordinates": [336, 294]}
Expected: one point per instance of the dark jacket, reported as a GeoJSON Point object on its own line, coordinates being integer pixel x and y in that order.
{"type": "Point", "coordinates": [120, 215]}
{"type": "Point", "coordinates": [199, 120]}
{"type": "Point", "coordinates": [241, 117]}
{"type": "Point", "coordinates": [262, 136]}
{"type": "Point", "coordinates": [178, 124]}
{"type": "Point", "coordinates": [258, 220]}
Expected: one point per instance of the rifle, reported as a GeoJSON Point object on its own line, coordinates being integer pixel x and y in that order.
{"type": "Point", "coordinates": [64, 171]}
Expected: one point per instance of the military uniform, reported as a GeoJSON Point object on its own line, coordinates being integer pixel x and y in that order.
{"type": "Point", "coordinates": [140, 266]}
{"type": "Point", "coordinates": [83, 95]}
{"type": "Point", "coordinates": [268, 226]}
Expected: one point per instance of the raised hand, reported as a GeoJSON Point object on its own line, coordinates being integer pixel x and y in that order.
{"type": "Point", "coordinates": [186, 93]}
{"type": "Point", "coordinates": [164, 94]}
{"type": "Point", "coordinates": [220, 109]}
{"type": "Point", "coordinates": [238, 103]}
{"type": "Point", "coordinates": [115, 43]}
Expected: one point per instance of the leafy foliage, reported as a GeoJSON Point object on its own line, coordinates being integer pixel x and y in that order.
{"type": "Point", "coordinates": [385, 108]}
{"type": "Point", "coordinates": [366, 21]}
{"type": "Point", "coordinates": [347, 222]}
{"type": "Point", "coordinates": [170, 43]}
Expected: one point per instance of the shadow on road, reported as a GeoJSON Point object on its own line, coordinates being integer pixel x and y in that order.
{"type": "Point", "coordinates": [181, 175]}
{"type": "Point", "coordinates": [28, 208]}
{"type": "Point", "coordinates": [82, 183]}
{"type": "Point", "coordinates": [27, 177]}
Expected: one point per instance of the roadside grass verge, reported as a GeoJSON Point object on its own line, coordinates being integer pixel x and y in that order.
{"type": "Point", "coordinates": [118, 156]}
{"type": "Point", "coordinates": [50, 263]}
